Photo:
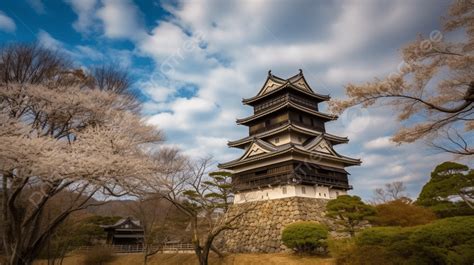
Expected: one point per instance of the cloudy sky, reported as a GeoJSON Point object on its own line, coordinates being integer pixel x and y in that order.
{"type": "Point", "coordinates": [193, 62]}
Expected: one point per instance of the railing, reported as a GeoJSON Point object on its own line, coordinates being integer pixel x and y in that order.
{"type": "Point", "coordinates": [165, 248]}
{"type": "Point", "coordinates": [288, 97]}
{"type": "Point", "coordinates": [278, 179]}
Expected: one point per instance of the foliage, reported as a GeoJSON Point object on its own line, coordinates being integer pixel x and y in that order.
{"type": "Point", "coordinates": [221, 185]}
{"type": "Point", "coordinates": [402, 212]}
{"type": "Point", "coordinates": [305, 237]}
{"type": "Point", "coordinates": [62, 136]}
{"type": "Point", "coordinates": [89, 230]}
{"type": "Point", "coordinates": [349, 211]}
{"type": "Point", "coordinates": [445, 241]}
{"type": "Point", "coordinates": [76, 231]}
{"type": "Point", "coordinates": [99, 256]}
{"type": "Point", "coordinates": [434, 85]}
{"type": "Point", "coordinates": [449, 181]}
{"type": "Point", "coordinates": [338, 248]}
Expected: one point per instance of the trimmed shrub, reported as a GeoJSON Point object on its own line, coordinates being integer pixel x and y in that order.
{"type": "Point", "coordinates": [306, 238]}
{"type": "Point", "coordinates": [445, 241]}
{"type": "Point", "coordinates": [99, 256]}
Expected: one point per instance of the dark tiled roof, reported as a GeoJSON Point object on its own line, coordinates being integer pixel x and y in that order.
{"type": "Point", "coordinates": [289, 126]}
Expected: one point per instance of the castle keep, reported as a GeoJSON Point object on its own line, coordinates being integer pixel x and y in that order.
{"type": "Point", "coordinates": [289, 166]}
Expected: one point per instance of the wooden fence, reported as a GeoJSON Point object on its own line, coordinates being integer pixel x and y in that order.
{"type": "Point", "coordinates": [165, 248]}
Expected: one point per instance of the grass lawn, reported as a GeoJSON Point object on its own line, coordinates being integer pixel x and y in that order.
{"type": "Point", "coordinates": [190, 259]}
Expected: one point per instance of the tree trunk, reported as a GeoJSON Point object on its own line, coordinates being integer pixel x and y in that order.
{"type": "Point", "coordinates": [203, 257]}
{"type": "Point", "coordinates": [145, 257]}
{"type": "Point", "coordinates": [5, 218]}
{"type": "Point", "coordinates": [21, 259]}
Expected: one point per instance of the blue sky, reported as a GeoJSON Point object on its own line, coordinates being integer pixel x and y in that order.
{"type": "Point", "coordinates": [193, 61]}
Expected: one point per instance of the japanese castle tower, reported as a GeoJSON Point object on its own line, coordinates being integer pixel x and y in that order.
{"type": "Point", "coordinates": [288, 152]}
{"type": "Point", "coordinates": [289, 169]}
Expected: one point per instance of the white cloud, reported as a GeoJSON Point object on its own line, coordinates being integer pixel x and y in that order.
{"type": "Point", "coordinates": [37, 5]}
{"type": "Point", "coordinates": [379, 143]}
{"type": "Point", "coordinates": [89, 52]}
{"type": "Point", "coordinates": [121, 19]}
{"type": "Point", "coordinates": [6, 23]}
{"type": "Point", "coordinates": [225, 50]}
{"type": "Point", "coordinates": [85, 10]}
{"type": "Point", "coordinates": [185, 114]}
{"type": "Point", "coordinates": [46, 40]}
{"type": "Point", "coordinates": [242, 44]}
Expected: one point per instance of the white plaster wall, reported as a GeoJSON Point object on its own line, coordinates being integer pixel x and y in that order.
{"type": "Point", "coordinates": [334, 193]}
{"type": "Point", "coordinates": [291, 191]}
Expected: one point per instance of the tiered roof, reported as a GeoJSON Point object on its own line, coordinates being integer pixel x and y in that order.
{"type": "Point", "coordinates": [274, 84]}
{"type": "Point", "coordinates": [289, 126]}
{"type": "Point", "coordinates": [318, 147]}
{"type": "Point", "coordinates": [287, 104]}
{"type": "Point", "coordinates": [319, 144]}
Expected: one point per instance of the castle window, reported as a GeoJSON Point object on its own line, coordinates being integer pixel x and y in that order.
{"type": "Point", "coordinates": [303, 190]}
{"type": "Point", "coordinates": [337, 193]}
{"type": "Point", "coordinates": [320, 194]}
{"type": "Point", "coordinates": [324, 194]}
{"type": "Point", "coordinates": [277, 140]}
{"type": "Point", "coordinates": [283, 190]}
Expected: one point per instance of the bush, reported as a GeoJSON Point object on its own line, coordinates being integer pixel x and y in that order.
{"type": "Point", "coordinates": [306, 237]}
{"type": "Point", "coordinates": [445, 241]}
{"type": "Point", "coordinates": [451, 209]}
{"type": "Point", "coordinates": [402, 213]}
{"type": "Point", "coordinates": [99, 256]}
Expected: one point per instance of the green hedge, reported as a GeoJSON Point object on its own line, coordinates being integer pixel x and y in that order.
{"type": "Point", "coordinates": [306, 237]}
{"type": "Point", "coordinates": [446, 241]}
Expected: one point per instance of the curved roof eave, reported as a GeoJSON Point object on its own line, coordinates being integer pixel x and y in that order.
{"type": "Point", "coordinates": [334, 139]}
{"type": "Point", "coordinates": [291, 148]}
{"type": "Point", "coordinates": [283, 105]}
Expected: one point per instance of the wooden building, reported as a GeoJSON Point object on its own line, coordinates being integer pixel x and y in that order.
{"type": "Point", "coordinates": [288, 152]}
{"type": "Point", "coordinates": [124, 232]}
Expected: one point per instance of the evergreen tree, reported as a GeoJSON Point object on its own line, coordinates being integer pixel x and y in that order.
{"type": "Point", "coordinates": [449, 183]}
{"type": "Point", "coordinates": [349, 211]}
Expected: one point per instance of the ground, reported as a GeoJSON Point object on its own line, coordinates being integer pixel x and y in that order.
{"type": "Point", "coordinates": [190, 259]}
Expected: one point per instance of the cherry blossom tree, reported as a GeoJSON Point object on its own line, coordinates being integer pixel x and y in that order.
{"type": "Point", "coordinates": [61, 133]}
{"type": "Point", "coordinates": [434, 87]}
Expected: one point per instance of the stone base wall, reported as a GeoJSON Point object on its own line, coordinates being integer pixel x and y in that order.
{"type": "Point", "coordinates": [259, 230]}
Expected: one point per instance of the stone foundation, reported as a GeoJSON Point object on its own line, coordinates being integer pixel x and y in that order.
{"type": "Point", "coordinates": [259, 230]}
